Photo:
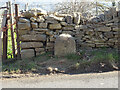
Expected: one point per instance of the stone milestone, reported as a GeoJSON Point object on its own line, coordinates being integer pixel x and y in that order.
{"type": "Point", "coordinates": [64, 44]}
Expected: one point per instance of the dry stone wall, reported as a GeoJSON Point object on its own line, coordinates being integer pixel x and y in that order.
{"type": "Point", "coordinates": [38, 31]}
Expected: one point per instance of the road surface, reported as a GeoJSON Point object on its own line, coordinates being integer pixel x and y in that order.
{"type": "Point", "coordinates": [94, 80]}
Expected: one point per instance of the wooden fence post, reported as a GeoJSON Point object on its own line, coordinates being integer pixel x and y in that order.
{"type": "Point", "coordinates": [18, 41]}
{"type": "Point", "coordinates": [1, 43]}
{"type": "Point", "coordinates": [5, 35]}
{"type": "Point", "coordinates": [11, 27]}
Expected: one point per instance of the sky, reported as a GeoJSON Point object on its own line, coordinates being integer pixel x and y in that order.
{"type": "Point", "coordinates": [52, 0]}
{"type": "Point", "coordinates": [25, 1]}
{"type": "Point", "coordinates": [45, 1]}
{"type": "Point", "coordinates": [46, 4]}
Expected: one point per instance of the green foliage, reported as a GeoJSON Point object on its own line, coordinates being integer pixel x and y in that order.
{"type": "Point", "coordinates": [105, 55]}
{"type": "Point", "coordinates": [9, 49]}
{"type": "Point", "coordinates": [10, 67]}
{"type": "Point", "coordinates": [26, 65]}
{"type": "Point", "coordinates": [47, 56]}
{"type": "Point", "coordinates": [30, 66]}
{"type": "Point", "coordinates": [9, 44]}
{"type": "Point", "coordinates": [73, 57]}
{"type": "Point", "coordinates": [77, 60]}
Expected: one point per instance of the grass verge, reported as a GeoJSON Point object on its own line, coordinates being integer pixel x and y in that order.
{"type": "Point", "coordinates": [85, 61]}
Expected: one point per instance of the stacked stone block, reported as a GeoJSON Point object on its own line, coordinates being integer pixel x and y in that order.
{"type": "Point", "coordinates": [38, 32]}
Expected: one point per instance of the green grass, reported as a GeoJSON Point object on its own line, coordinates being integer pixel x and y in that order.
{"type": "Point", "coordinates": [47, 56]}
{"type": "Point", "coordinates": [102, 55]}
{"type": "Point", "coordinates": [26, 64]}
{"type": "Point", "coordinates": [98, 56]}
{"type": "Point", "coordinates": [73, 57]}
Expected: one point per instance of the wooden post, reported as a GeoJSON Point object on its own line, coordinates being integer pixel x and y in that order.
{"type": "Point", "coordinates": [18, 41]}
{"type": "Point", "coordinates": [5, 35]}
{"type": "Point", "coordinates": [4, 29]}
{"type": "Point", "coordinates": [11, 27]}
{"type": "Point", "coordinates": [0, 44]}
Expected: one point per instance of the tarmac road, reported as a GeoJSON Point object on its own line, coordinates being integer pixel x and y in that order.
{"type": "Point", "coordinates": [91, 80]}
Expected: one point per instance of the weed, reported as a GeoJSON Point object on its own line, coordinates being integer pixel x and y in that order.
{"type": "Point", "coordinates": [73, 57]}
{"type": "Point", "coordinates": [47, 56]}
{"type": "Point", "coordinates": [77, 65]}
{"type": "Point", "coordinates": [104, 55]}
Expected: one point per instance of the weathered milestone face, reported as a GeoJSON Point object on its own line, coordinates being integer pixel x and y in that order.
{"type": "Point", "coordinates": [64, 44]}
